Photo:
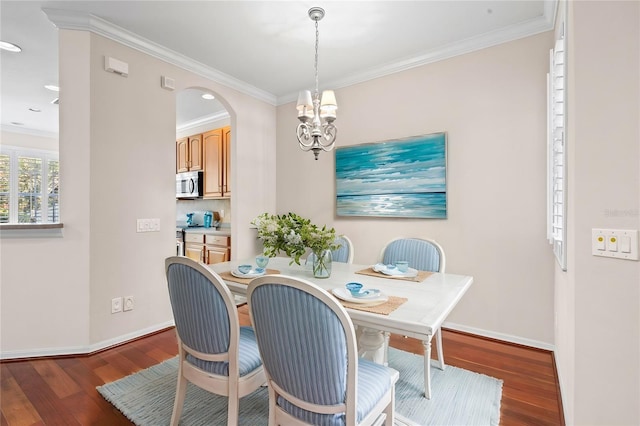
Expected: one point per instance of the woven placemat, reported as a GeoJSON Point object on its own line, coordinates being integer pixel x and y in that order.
{"type": "Point", "coordinates": [385, 308]}
{"type": "Point", "coordinates": [422, 275]}
{"type": "Point", "coordinates": [227, 276]}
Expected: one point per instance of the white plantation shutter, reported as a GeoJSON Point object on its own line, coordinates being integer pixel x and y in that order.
{"type": "Point", "coordinates": [53, 182]}
{"type": "Point", "coordinates": [29, 182]}
{"type": "Point", "coordinates": [556, 152]}
{"type": "Point", "coordinates": [5, 178]}
{"type": "Point", "coordinates": [29, 189]}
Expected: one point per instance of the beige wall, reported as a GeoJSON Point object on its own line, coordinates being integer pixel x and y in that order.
{"type": "Point", "coordinates": [604, 177]}
{"type": "Point", "coordinates": [492, 104]}
{"type": "Point", "coordinates": [117, 156]}
{"type": "Point", "coordinates": [45, 281]}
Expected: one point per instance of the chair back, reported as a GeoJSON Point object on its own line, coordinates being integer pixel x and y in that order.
{"type": "Point", "coordinates": [308, 348]}
{"type": "Point", "coordinates": [203, 307]}
{"type": "Point", "coordinates": [343, 254]}
{"type": "Point", "coordinates": [422, 254]}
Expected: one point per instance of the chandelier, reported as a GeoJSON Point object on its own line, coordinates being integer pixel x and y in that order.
{"type": "Point", "coordinates": [316, 131]}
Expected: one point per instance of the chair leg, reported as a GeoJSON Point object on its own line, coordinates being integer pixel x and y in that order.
{"type": "Point", "coordinates": [272, 406]}
{"type": "Point", "coordinates": [181, 390]}
{"type": "Point", "coordinates": [391, 409]}
{"type": "Point", "coordinates": [234, 405]}
{"type": "Point", "coordinates": [439, 348]}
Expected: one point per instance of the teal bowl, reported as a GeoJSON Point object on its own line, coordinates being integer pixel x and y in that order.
{"type": "Point", "coordinates": [354, 288]}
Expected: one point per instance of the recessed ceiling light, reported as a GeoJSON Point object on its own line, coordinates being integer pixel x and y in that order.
{"type": "Point", "coordinates": [34, 110]}
{"type": "Point", "coordinates": [10, 47]}
{"type": "Point", "coordinates": [208, 96]}
{"type": "Point", "coordinates": [17, 123]}
{"type": "Point", "coordinates": [52, 87]}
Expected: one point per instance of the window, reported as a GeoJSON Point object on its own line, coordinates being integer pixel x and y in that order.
{"type": "Point", "coordinates": [29, 181]}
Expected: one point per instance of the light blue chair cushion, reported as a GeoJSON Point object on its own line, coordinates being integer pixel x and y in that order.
{"type": "Point", "coordinates": [371, 387]}
{"type": "Point", "coordinates": [248, 356]}
{"type": "Point", "coordinates": [420, 254]}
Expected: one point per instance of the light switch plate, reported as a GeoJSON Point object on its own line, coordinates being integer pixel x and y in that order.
{"type": "Point", "coordinates": [148, 225]}
{"type": "Point", "coordinates": [616, 243]}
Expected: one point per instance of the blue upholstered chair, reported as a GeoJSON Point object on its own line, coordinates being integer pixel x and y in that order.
{"type": "Point", "coordinates": [423, 255]}
{"type": "Point", "coordinates": [215, 353]}
{"type": "Point", "coordinates": [308, 347]}
{"type": "Point", "coordinates": [344, 253]}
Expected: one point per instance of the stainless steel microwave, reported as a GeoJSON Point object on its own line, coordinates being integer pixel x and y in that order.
{"type": "Point", "coordinates": [189, 185]}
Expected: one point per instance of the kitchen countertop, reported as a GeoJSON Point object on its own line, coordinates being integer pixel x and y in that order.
{"type": "Point", "coordinates": [210, 231]}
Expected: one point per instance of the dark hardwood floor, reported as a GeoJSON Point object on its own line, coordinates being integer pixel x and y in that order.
{"type": "Point", "coordinates": [61, 391]}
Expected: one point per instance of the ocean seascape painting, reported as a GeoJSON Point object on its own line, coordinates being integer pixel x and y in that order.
{"type": "Point", "coordinates": [397, 178]}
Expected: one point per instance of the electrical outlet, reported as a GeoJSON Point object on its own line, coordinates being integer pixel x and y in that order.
{"type": "Point", "coordinates": [116, 305]}
{"type": "Point", "coordinates": [128, 303]}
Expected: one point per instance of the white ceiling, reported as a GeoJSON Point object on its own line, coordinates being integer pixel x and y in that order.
{"type": "Point", "coordinates": [264, 48]}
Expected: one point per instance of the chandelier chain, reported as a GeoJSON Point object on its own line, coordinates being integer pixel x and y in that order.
{"type": "Point", "coordinates": [316, 59]}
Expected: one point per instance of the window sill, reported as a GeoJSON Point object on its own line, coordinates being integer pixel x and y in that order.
{"type": "Point", "coordinates": [30, 230]}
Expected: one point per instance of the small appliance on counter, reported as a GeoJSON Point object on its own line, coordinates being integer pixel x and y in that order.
{"type": "Point", "coordinates": [200, 219]}
{"type": "Point", "coordinates": [208, 218]}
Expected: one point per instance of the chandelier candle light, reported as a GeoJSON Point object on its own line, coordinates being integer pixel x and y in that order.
{"type": "Point", "coordinates": [316, 131]}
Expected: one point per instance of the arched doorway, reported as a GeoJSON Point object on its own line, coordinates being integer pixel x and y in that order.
{"type": "Point", "coordinates": [203, 135]}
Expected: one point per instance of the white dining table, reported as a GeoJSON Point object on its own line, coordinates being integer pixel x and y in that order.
{"type": "Point", "coordinates": [428, 303]}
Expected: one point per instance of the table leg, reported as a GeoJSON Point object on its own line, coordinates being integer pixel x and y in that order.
{"type": "Point", "coordinates": [371, 344]}
{"type": "Point", "coordinates": [439, 348]}
{"type": "Point", "coordinates": [427, 368]}
{"type": "Point", "coordinates": [387, 337]}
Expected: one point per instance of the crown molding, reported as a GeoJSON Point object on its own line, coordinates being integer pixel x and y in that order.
{"type": "Point", "coordinates": [75, 20]}
{"type": "Point", "coordinates": [514, 32]}
{"type": "Point", "coordinates": [202, 121]}
{"type": "Point", "coordinates": [551, 11]}
{"type": "Point", "coordinates": [26, 131]}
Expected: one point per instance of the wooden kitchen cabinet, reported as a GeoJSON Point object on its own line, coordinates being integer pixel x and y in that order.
{"type": "Point", "coordinates": [216, 148]}
{"type": "Point", "coordinates": [194, 251]}
{"type": "Point", "coordinates": [217, 248]}
{"type": "Point", "coordinates": [207, 248]}
{"type": "Point", "coordinates": [194, 246]}
{"type": "Point", "coordinates": [216, 255]}
{"type": "Point", "coordinates": [189, 154]}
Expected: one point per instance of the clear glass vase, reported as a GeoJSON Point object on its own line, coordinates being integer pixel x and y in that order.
{"type": "Point", "coordinates": [322, 264]}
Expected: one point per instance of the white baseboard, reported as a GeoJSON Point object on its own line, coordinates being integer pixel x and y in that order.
{"type": "Point", "coordinates": [81, 350]}
{"type": "Point", "coordinates": [500, 336]}
{"type": "Point", "coordinates": [130, 336]}
{"type": "Point", "coordinates": [43, 352]}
